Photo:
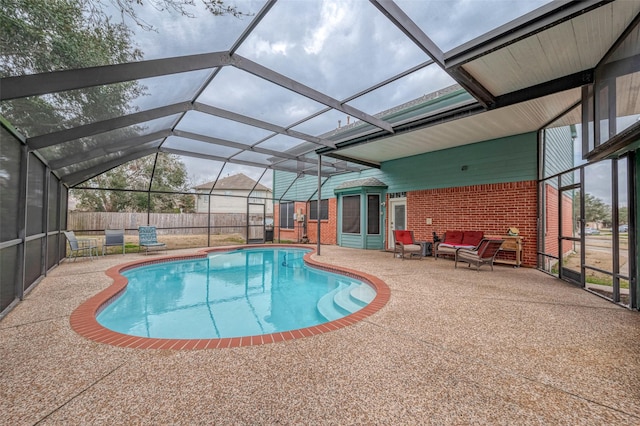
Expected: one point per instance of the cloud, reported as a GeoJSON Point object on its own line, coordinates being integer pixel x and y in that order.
{"type": "Point", "coordinates": [332, 17]}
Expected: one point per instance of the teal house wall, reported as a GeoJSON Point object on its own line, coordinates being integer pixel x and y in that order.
{"type": "Point", "coordinates": [365, 240]}
{"type": "Point", "coordinates": [510, 159]}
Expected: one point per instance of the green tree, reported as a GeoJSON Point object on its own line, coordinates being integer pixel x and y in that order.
{"type": "Point", "coordinates": [124, 188]}
{"type": "Point", "coordinates": [182, 7]}
{"type": "Point", "coordinates": [623, 215]}
{"type": "Point", "coordinates": [39, 36]}
{"type": "Point", "coordinates": [596, 210]}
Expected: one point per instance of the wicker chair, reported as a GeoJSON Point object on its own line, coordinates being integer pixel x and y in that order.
{"type": "Point", "coordinates": [485, 253]}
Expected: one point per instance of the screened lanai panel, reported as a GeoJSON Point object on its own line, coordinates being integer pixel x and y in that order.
{"type": "Point", "coordinates": [419, 83]}
{"type": "Point", "coordinates": [621, 73]}
{"type": "Point", "coordinates": [174, 34]}
{"type": "Point", "coordinates": [450, 24]}
{"type": "Point", "coordinates": [52, 249]}
{"type": "Point", "coordinates": [131, 175]}
{"type": "Point", "coordinates": [325, 124]}
{"type": "Point", "coordinates": [90, 162]}
{"type": "Point", "coordinates": [40, 115]}
{"type": "Point", "coordinates": [340, 165]}
{"type": "Point", "coordinates": [197, 147]}
{"type": "Point", "coordinates": [213, 126]}
{"type": "Point", "coordinates": [293, 166]}
{"type": "Point", "coordinates": [338, 48]}
{"type": "Point", "coordinates": [243, 93]}
{"type": "Point", "coordinates": [35, 196]}
{"type": "Point", "coordinates": [104, 140]}
{"type": "Point", "coordinates": [169, 89]}
{"type": "Point", "coordinates": [53, 204]}
{"type": "Point", "coordinates": [10, 150]}
{"type": "Point", "coordinates": [33, 257]}
{"type": "Point", "coordinates": [9, 274]}
{"type": "Point", "coordinates": [198, 171]}
{"type": "Point", "coordinates": [254, 157]}
{"type": "Point", "coordinates": [284, 143]}
{"type": "Point", "coordinates": [306, 168]}
{"type": "Point", "coordinates": [160, 30]}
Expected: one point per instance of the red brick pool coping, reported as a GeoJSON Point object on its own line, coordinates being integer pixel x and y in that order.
{"type": "Point", "coordinates": [83, 319]}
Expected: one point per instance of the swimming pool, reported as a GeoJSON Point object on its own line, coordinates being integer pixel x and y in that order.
{"type": "Point", "coordinates": [233, 294]}
{"type": "Point", "coordinates": [266, 292]}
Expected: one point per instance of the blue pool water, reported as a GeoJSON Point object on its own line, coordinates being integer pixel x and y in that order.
{"type": "Point", "coordinates": [245, 292]}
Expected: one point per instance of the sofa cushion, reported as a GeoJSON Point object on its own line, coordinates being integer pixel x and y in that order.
{"type": "Point", "coordinates": [453, 237]}
{"type": "Point", "coordinates": [472, 238]}
{"type": "Point", "coordinates": [454, 246]}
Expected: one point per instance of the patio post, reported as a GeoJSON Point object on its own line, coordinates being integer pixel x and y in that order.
{"type": "Point", "coordinates": [318, 203]}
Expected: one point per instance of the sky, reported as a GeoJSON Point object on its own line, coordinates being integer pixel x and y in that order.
{"type": "Point", "coordinates": [338, 47]}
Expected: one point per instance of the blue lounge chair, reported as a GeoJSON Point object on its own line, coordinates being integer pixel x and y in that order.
{"type": "Point", "coordinates": [149, 239]}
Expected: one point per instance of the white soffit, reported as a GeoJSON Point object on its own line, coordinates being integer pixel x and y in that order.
{"type": "Point", "coordinates": [513, 120]}
{"type": "Point", "coordinates": [561, 50]}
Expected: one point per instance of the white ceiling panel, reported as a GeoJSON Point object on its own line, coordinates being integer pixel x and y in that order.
{"type": "Point", "coordinates": [541, 57]}
{"type": "Point", "coordinates": [516, 119]}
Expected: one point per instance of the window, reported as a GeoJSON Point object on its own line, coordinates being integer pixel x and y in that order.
{"type": "Point", "coordinates": [286, 215]}
{"type": "Point", "coordinates": [351, 214]}
{"type": "Point", "coordinates": [373, 214]}
{"type": "Point", "coordinates": [324, 210]}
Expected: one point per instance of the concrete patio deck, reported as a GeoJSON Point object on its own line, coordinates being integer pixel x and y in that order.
{"type": "Point", "coordinates": [452, 346]}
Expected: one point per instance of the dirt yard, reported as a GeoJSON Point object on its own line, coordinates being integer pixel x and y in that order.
{"type": "Point", "coordinates": [175, 242]}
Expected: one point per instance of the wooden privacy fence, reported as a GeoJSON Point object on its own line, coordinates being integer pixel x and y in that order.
{"type": "Point", "coordinates": [169, 223]}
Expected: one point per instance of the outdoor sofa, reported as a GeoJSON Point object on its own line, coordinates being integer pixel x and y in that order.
{"type": "Point", "coordinates": [454, 240]}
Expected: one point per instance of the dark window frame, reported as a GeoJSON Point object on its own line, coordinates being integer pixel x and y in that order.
{"type": "Point", "coordinates": [351, 214]}
{"type": "Point", "coordinates": [373, 214]}
{"type": "Point", "coordinates": [286, 219]}
{"type": "Point", "coordinates": [324, 209]}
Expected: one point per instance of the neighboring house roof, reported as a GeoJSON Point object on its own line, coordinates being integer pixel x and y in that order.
{"type": "Point", "coordinates": [239, 181]}
{"type": "Point", "coordinates": [361, 182]}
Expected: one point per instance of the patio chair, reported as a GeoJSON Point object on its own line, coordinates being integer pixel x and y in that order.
{"type": "Point", "coordinates": [148, 239]}
{"type": "Point", "coordinates": [113, 238]}
{"type": "Point", "coordinates": [485, 253]}
{"type": "Point", "coordinates": [404, 244]}
{"type": "Point", "coordinates": [81, 245]}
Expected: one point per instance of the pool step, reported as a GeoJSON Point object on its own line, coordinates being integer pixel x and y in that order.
{"type": "Point", "coordinates": [363, 294]}
{"type": "Point", "coordinates": [327, 306]}
{"type": "Point", "coordinates": [344, 300]}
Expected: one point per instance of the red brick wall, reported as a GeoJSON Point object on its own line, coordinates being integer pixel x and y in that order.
{"type": "Point", "coordinates": [491, 208]}
{"type": "Point", "coordinates": [552, 214]}
{"type": "Point", "coordinates": [295, 234]}
{"type": "Point", "coordinates": [328, 228]}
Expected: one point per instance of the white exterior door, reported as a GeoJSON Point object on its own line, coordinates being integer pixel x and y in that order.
{"type": "Point", "coordinates": [397, 218]}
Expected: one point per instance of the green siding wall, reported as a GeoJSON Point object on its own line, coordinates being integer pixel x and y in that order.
{"type": "Point", "coordinates": [510, 159]}
{"type": "Point", "coordinates": [558, 156]}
